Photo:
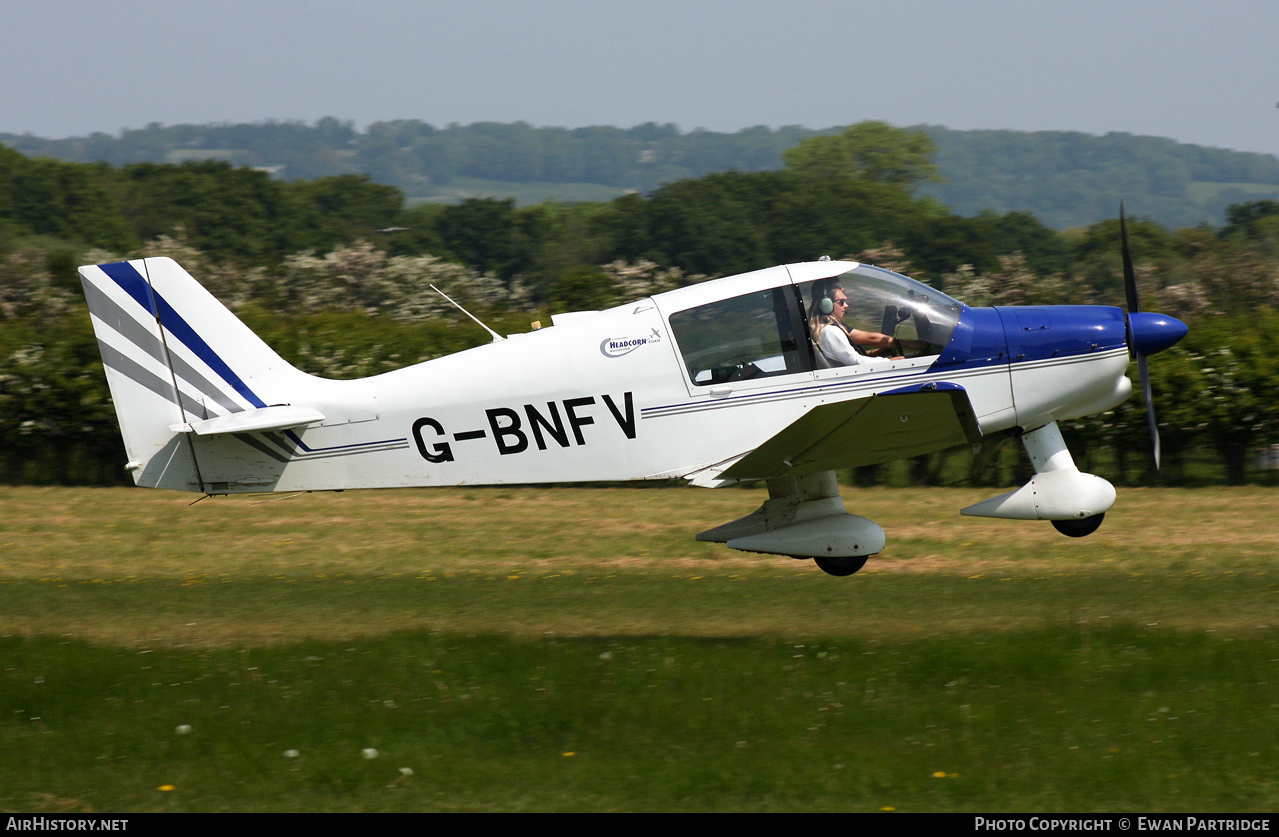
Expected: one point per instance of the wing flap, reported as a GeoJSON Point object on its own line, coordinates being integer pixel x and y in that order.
{"type": "Point", "coordinates": [880, 428]}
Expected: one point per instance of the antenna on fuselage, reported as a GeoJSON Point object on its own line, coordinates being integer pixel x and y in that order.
{"type": "Point", "coordinates": [496, 337]}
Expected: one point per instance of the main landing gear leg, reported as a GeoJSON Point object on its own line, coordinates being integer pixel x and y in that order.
{"type": "Point", "coordinates": [1075, 502]}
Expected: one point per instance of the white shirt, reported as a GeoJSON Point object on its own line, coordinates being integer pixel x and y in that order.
{"type": "Point", "coordinates": [834, 343]}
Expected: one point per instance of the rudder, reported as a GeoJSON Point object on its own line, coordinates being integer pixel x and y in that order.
{"type": "Point", "coordinates": [175, 355]}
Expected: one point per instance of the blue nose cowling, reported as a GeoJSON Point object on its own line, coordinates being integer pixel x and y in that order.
{"type": "Point", "coordinates": [1152, 333]}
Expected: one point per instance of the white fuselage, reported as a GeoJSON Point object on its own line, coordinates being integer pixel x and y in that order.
{"type": "Point", "coordinates": [608, 397]}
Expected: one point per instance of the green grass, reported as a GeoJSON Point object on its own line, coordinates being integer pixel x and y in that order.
{"type": "Point", "coordinates": [575, 649]}
{"type": "Point", "coordinates": [1116, 719]}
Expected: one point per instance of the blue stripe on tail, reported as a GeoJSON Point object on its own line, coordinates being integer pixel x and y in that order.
{"type": "Point", "coordinates": [136, 286]}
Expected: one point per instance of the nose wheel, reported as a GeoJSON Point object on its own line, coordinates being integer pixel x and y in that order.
{"type": "Point", "coordinates": [1079, 528]}
{"type": "Point", "coordinates": [840, 565]}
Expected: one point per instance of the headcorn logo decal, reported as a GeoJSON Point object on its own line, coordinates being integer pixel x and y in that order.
{"type": "Point", "coordinates": [618, 346]}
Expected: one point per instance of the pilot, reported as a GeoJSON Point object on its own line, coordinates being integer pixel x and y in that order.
{"type": "Point", "coordinates": [836, 341]}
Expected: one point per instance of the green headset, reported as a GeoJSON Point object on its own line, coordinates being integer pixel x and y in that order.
{"type": "Point", "coordinates": [826, 305]}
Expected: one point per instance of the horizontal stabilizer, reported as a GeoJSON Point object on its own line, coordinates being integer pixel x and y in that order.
{"type": "Point", "coordinates": [848, 434]}
{"type": "Point", "coordinates": [279, 417]}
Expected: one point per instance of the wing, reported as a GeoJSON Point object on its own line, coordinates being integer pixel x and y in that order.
{"type": "Point", "coordinates": [891, 425]}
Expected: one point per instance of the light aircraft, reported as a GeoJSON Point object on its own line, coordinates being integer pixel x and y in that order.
{"type": "Point", "coordinates": [715, 383]}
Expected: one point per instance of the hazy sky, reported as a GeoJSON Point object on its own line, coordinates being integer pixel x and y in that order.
{"type": "Point", "coordinates": [1201, 72]}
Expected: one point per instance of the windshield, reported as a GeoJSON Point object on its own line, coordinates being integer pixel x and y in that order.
{"type": "Point", "coordinates": [919, 317]}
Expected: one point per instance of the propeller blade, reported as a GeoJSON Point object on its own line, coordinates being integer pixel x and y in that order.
{"type": "Point", "coordinates": [1130, 275]}
{"type": "Point", "coordinates": [1134, 307]}
{"type": "Point", "coordinates": [1144, 370]}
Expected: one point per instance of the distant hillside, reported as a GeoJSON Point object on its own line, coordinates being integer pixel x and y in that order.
{"type": "Point", "coordinates": [1071, 179]}
{"type": "Point", "coordinates": [1065, 179]}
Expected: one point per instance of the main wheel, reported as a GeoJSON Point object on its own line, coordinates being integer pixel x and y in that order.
{"type": "Point", "coordinates": [1079, 528]}
{"type": "Point", "coordinates": [841, 565]}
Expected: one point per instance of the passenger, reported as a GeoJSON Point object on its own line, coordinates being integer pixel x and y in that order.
{"type": "Point", "coordinates": [836, 341]}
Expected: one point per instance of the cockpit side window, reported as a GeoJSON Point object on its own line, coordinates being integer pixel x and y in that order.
{"type": "Point", "coordinates": [755, 335]}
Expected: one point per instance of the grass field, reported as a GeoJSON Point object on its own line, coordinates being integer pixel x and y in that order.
{"type": "Point", "coordinates": [575, 649]}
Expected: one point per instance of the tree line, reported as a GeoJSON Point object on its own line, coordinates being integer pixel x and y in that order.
{"type": "Point", "coordinates": [1063, 178]}
{"type": "Point", "coordinates": [333, 273]}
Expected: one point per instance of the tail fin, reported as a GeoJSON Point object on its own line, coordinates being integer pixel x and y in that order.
{"type": "Point", "coordinates": [176, 359]}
